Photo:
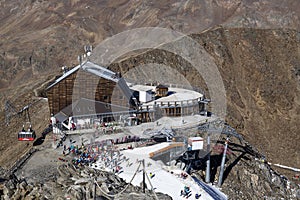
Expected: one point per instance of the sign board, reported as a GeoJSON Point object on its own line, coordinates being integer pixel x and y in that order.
{"type": "Point", "coordinates": [195, 143]}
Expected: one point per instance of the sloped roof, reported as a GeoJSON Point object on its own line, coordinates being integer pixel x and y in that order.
{"type": "Point", "coordinates": [85, 106]}
{"type": "Point", "coordinates": [91, 68]}
{"type": "Point", "coordinates": [100, 71]}
{"type": "Point", "coordinates": [65, 75]}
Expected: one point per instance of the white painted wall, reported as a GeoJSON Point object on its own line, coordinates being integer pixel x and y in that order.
{"type": "Point", "coordinates": [145, 96]}
{"type": "Point", "coordinates": [196, 143]}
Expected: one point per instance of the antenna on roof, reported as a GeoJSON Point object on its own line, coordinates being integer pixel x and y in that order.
{"type": "Point", "coordinates": [64, 69]}
{"type": "Point", "coordinates": [80, 59]}
{"type": "Point", "coordinates": [88, 50]}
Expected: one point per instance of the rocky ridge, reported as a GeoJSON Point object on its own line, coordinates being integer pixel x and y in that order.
{"type": "Point", "coordinates": [73, 183]}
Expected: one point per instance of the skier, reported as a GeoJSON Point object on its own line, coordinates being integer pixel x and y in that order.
{"type": "Point", "coordinates": [151, 175]}
{"type": "Point", "coordinates": [197, 196]}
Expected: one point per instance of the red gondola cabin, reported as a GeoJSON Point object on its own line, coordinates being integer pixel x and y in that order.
{"type": "Point", "coordinates": [26, 135]}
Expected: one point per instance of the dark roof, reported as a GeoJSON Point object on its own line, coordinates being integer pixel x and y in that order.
{"type": "Point", "coordinates": [160, 86]}
{"type": "Point", "coordinates": [85, 106]}
{"type": "Point", "coordinates": [65, 75]}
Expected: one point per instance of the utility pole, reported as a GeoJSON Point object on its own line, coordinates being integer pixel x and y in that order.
{"type": "Point", "coordinates": [223, 163]}
{"type": "Point", "coordinates": [144, 176]}
{"type": "Point", "coordinates": [207, 173]}
{"type": "Point", "coordinates": [80, 60]}
{"type": "Point", "coordinates": [95, 188]}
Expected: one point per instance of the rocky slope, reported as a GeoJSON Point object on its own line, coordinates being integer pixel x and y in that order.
{"type": "Point", "coordinates": [38, 37]}
{"type": "Point", "coordinates": [248, 180]}
{"type": "Point", "coordinates": [73, 183]}
{"type": "Point", "coordinates": [260, 71]}
{"type": "Point", "coordinates": [248, 176]}
{"type": "Point", "coordinates": [256, 51]}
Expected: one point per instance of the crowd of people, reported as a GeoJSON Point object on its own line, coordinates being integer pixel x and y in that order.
{"type": "Point", "coordinates": [83, 155]}
{"type": "Point", "coordinates": [106, 151]}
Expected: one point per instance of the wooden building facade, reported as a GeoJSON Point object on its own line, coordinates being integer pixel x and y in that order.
{"type": "Point", "coordinates": [75, 84]}
{"type": "Point", "coordinates": [89, 86]}
{"type": "Point", "coordinates": [161, 90]}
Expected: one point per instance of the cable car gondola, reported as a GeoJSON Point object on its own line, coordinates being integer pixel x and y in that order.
{"type": "Point", "coordinates": [26, 135]}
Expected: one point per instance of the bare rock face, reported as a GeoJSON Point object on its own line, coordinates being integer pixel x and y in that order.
{"type": "Point", "coordinates": [9, 189]}
{"type": "Point", "coordinates": [262, 87]}
{"type": "Point", "coordinates": [248, 175]}
{"type": "Point", "coordinates": [70, 25]}
{"type": "Point", "coordinates": [252, 178]}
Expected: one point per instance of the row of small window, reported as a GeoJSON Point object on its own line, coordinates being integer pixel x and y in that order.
{"type": "Point", "coordinates": [26, 135]}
